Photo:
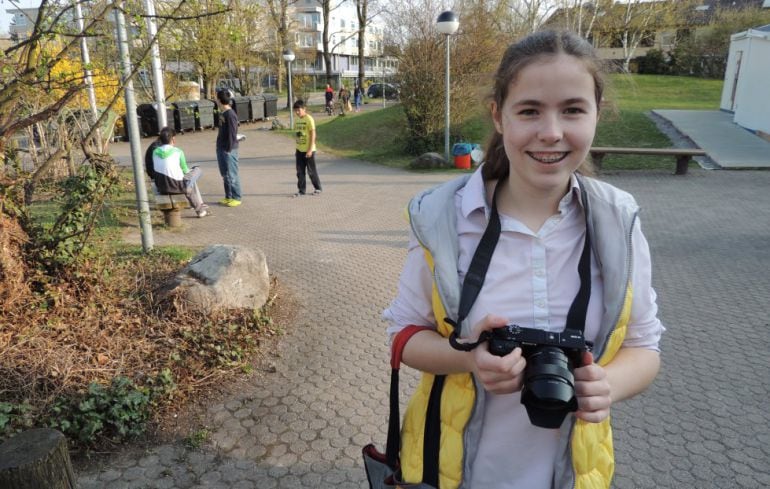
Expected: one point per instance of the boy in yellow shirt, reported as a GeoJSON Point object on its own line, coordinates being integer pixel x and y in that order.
{"type": "Point", "coordinates": [305, 154]}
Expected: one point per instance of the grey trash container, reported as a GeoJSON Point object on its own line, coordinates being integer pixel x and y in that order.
{"type": "Point", "coordinates": [148, 119]}
{"type": "Point", "coordinates": [257, 103]}
{"type": "Point", "coordinates": [184, 115]}
{"type": "Point", "coordinates": [204, 114]}
{"type": "Point", "coordinates": [216, 112]}
{"type": "Point", "coordinates": [271, 105]}
{"type": "Point", "coordinates": [241, 107]}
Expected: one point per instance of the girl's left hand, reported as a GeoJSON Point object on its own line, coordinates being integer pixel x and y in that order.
{"type": "Point", "coordinates": [592, 390]}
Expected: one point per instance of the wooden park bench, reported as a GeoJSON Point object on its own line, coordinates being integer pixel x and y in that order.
{"type": "Point", "coordinates": [682, 155]}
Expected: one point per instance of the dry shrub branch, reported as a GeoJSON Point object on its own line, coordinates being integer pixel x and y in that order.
{"type": "Point", "coordinates": [57, 338]}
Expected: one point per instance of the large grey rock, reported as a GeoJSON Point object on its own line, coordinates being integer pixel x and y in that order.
{"type": "Point", "coordinates": [427, 161]}
{"type": "Point", "coordinates": [222, 277]}
{"type": "Point", "coordinates": [277, 125]}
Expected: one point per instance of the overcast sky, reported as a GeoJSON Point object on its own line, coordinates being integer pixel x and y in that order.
{"type": "Point", "coordinates": [5, 19]}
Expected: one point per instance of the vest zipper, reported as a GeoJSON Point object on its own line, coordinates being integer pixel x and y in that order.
{"type": "Point", "coordinates": [629, 261]}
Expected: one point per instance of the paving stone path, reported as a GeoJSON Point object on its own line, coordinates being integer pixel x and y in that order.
{"type": "Point", "coordinates": [704, 423]}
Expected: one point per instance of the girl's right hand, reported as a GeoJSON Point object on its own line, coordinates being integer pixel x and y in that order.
{"type": "Point", "coordinates": [499, 375]}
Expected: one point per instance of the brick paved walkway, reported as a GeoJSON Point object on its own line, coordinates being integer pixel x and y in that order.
{"type": "Point", "coordinates": [704, 423]}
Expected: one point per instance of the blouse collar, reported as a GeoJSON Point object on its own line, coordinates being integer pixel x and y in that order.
{"type": "Point", "coordinates": [473, 195]}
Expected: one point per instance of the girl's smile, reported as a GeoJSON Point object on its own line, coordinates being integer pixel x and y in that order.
{"type": "Point", "coordinates": [548, 158]}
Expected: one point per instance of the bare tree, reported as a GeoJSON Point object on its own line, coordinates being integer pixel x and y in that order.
{"type": "Point", "coordinates": [29, 94]}
{"type": "Point", "coordinates": [475, 51]}
{"type": "Point", "coordinates": [327, 7]}
{"type": "Point", "coordinates": [636, 20]}
{"type": "Point", "coordinates": [246, 40]}
{"type": "Point", "coordinates": [202, 37]}
{"type": "Point", "coordinates": [278, 14]}
{"type": "Point", "coordinates": [40, 89]}
{"type": "Point", "coordinates": [579, 16]}
{"type": "Point", "coordinates": [531, 13]}
{"type": "Point", "coordinates": [362, 12]}
{"type": "Point", "coordinates": [41, 83]}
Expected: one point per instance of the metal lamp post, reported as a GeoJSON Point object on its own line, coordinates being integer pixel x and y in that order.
{"type": "Point", "coordinates": [383, 79]}
{"type": "Point", "coordinates": [447, 24]}
{"type": "Point", "coordinates": [288, 56]}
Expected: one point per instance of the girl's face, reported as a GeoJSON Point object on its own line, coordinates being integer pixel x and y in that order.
{"type": "Point", "coordinates": [547, 121]}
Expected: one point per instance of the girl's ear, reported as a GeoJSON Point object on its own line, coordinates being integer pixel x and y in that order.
{"type": "Point", "coordinates": [497, 117]}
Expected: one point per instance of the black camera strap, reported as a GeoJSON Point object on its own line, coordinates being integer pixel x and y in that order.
{"type": "Point", "coordinates": [477, 271]}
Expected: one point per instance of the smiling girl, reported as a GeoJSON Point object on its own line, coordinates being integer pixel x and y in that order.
{"type": "Point", "coordinates": [533, 194]}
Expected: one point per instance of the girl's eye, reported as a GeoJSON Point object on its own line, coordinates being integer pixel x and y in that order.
{"type": "Point", "coordinates": [574, 110]}
{"type": "Point", "coordinates": [527, 112]}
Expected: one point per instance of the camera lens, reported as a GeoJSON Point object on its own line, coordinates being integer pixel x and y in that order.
{"type": "Point", "coordinates": [549, 387]}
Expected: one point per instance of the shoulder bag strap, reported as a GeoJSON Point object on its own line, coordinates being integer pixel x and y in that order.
{"type": "Point", "coordinates": [394, 419]}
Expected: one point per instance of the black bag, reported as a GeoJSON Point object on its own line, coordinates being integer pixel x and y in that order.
{"type": "Point", "coordinates": [382, 470]}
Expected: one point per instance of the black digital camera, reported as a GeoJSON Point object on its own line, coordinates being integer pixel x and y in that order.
{"type": "Point", "coordinates": [548, 393]}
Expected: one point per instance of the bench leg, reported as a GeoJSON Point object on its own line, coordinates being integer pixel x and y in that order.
{"type": "Point", "coordinates": [172, 217]}
{"type": "Point", "coordinates": [596, 159]}
{"type": "Point", "coordinates": [682, 162]}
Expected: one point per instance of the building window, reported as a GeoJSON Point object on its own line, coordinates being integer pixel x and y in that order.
{"type": "Point", "coordinates": [306, 40]}
{"type": "Point", "coordinates": [616, 40]}
{"type": "Point", "coordinates": [308, 21]}
{"type": "Point", "coordinates": [682, 34]}
{"type": "Point", "coordinates": [648, 39]}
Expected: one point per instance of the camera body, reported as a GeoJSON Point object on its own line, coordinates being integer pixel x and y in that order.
{"type": "Point", "coordinates": [548, 393]}
{"type": "Point", "coordinates": [507, 338]}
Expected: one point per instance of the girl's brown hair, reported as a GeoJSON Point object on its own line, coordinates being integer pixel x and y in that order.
{"type": "Point", "coordinates": [518, 56]}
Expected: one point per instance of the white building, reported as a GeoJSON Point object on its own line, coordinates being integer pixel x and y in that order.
{"type": "Point", "coordinates": [22, 22]}
{"type": "Point", "coordinates": [343, 43]}
{"type": "Point", "coordinates": [746, 91]}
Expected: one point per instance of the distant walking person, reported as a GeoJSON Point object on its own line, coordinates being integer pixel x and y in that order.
{"type": "Point", "coordinates": [227, 150]}
{"type": "Point", "coordinates": [305, 154]}
{"type": "Point", "coordinates": [358, 97]}
{"type": "Point", "coordinates": [344, 99]}
{"type": "Point", "coordinates": [329, 98]}
{"type": "Point", "coordinates": [167, 166]}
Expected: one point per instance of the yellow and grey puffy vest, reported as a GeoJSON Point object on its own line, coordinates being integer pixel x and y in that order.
{"type": "Point", "coordinates": [586, 459]}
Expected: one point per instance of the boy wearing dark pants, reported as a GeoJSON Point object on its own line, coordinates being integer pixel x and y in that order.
{"type": "Point", "coordinates": [227, 150]}
{"type": "Point", "coordinates": [305, 154]}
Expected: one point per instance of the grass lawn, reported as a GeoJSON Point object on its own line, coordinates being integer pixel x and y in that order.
{"type": "Point", "coordinates": [371, 135]}
{"type": "Point", "coordinates": [376, 135]}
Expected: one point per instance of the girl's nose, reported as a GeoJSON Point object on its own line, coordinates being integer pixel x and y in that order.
{"type": "Point", "coordinates": [550, 131]}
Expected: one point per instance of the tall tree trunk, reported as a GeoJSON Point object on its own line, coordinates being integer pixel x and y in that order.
{"type": "Point", "coordinates": [361, 9]}
{"type": "Point", "coordinates": [326, 6]}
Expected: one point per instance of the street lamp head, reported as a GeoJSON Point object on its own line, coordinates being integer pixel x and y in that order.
{"type": "Point", "coordinates": [447, 22]}
{"type": "Point", "coordinates": [288, 55]}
